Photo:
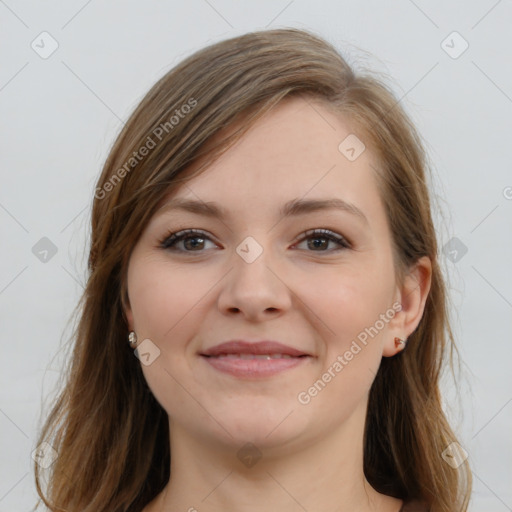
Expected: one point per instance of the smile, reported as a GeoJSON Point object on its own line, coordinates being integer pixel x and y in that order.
{"type": "Point", "coordinates": [254, 365]}
{"type": "Point", "coordinates": [255, 356]}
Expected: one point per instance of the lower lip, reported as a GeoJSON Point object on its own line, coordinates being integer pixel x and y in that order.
{"type": "Point", "coordinates": [254, 367]}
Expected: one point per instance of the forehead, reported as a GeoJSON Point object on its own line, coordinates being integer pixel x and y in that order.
{"type": "Point", "coordinates": [292, 152]}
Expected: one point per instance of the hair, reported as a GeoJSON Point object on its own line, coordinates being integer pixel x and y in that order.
{"type": "Point", "coordinates": [110, 433]}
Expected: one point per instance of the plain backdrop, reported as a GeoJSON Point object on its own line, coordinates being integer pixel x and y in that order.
{"type": "Point", "coordinates": [72, 72]}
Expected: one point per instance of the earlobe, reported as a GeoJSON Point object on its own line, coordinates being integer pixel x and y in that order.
{"type": "Point", "coordinates": [412, 296]}
{"type": "Point", "coordinates": [393, 346]}
{"type": "Point", "coordinates": [400, 344]}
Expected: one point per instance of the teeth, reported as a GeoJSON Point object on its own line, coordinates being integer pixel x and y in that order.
{"type": "Point", "coordinates": [256, 356]}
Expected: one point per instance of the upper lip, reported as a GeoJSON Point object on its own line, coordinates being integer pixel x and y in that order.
{"type": "Point", "coordinates": [257, 348]}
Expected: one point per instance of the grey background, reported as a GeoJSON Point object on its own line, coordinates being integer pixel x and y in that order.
{"type": "Point", "coordinates": [60, 114]}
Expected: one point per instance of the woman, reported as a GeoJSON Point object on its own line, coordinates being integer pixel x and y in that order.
{"type": "Point", "coordinates": [265, 319]}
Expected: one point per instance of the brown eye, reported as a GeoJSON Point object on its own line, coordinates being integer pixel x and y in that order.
{"type": "Point", "coordinates": [319, 239]}
{"type": "Point", "coordinates": [193, 241]}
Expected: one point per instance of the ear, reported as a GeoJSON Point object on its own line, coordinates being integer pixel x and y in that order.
{"type": "Point", "coordinates": [412, 296]}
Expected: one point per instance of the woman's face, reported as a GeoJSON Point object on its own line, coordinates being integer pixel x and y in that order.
{"type": "Point", "coordinates": [253, 274]}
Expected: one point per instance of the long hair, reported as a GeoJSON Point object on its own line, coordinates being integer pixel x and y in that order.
{"type": "Point", "coordinates": [110, 433]}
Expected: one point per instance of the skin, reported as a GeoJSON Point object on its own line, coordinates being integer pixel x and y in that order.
{"type": "Point", "coordinates": [314, 299]}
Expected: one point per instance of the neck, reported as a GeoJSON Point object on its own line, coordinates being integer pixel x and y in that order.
{"type": "Point", "coordinates": [324, 474]}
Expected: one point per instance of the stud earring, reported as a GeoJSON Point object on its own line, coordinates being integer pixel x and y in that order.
{"type": "Point", "coordinates": [132, 338]}
{"type": "Point", "coordinates": [400, 344]}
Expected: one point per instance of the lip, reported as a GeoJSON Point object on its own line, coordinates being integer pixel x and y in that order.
{"type": "Point", "coordinates": [256, 348]}
{"type": "Point", "coordinates": [245, 359]}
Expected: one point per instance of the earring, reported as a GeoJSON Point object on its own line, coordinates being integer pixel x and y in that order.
{"type": "Point", "coordinates": [400, 343]}
{"type": "Point", "coordinates": [132, 338]}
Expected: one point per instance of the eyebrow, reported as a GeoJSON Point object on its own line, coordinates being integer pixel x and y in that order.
{"type": "Point", "coordinates": [294, 207]}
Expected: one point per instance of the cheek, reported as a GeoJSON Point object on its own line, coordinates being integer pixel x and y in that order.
{"type": "Point", "coordinates": [350, 308]}
{"type": "Point", "coordinates": [348, 301]}
{"type": "Point", "coordinates": [162, 296]}
{"type": "Point", "coordinates": [166, 307]}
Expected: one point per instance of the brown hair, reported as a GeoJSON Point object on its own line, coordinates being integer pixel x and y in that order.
{"type": "Point", "coordinates": [110, 433]}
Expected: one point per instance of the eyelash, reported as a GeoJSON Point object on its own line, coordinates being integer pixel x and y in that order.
{"type": "Point", "coordinates": [171, 239]}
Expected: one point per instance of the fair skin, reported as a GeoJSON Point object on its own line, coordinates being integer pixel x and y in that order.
{"type": "Point", "coordinates": [307, 292]}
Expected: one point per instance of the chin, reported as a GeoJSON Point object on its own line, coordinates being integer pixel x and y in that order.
{"type": "Point", "coordinates": [265, 428]}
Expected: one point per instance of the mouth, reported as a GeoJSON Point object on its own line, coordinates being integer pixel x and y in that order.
{"type": "Point", "coordinates": [254, 356]}
{"type": "Point", "coordinates": [252, 360]}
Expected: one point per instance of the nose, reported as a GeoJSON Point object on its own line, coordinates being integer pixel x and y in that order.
{"type": "Point", "coordinates": [254, 290]}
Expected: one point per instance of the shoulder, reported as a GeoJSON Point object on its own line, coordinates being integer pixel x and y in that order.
{"type": "Point", "coordinates": [414, 506]}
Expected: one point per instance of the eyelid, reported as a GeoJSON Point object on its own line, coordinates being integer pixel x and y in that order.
{"type": "Point", "coordinates": [178, 236]}
{"type": "Point", "coordinates": [327, 233]}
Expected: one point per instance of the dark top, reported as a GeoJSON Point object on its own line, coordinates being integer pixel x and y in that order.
{"type": "Point", "coordinates": [414, 506]}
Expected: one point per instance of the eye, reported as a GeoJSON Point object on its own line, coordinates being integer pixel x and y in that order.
{"type": "Point", "coordinates": [193, 240]}
{"type": "Point", "coordinates": [320, 240]}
